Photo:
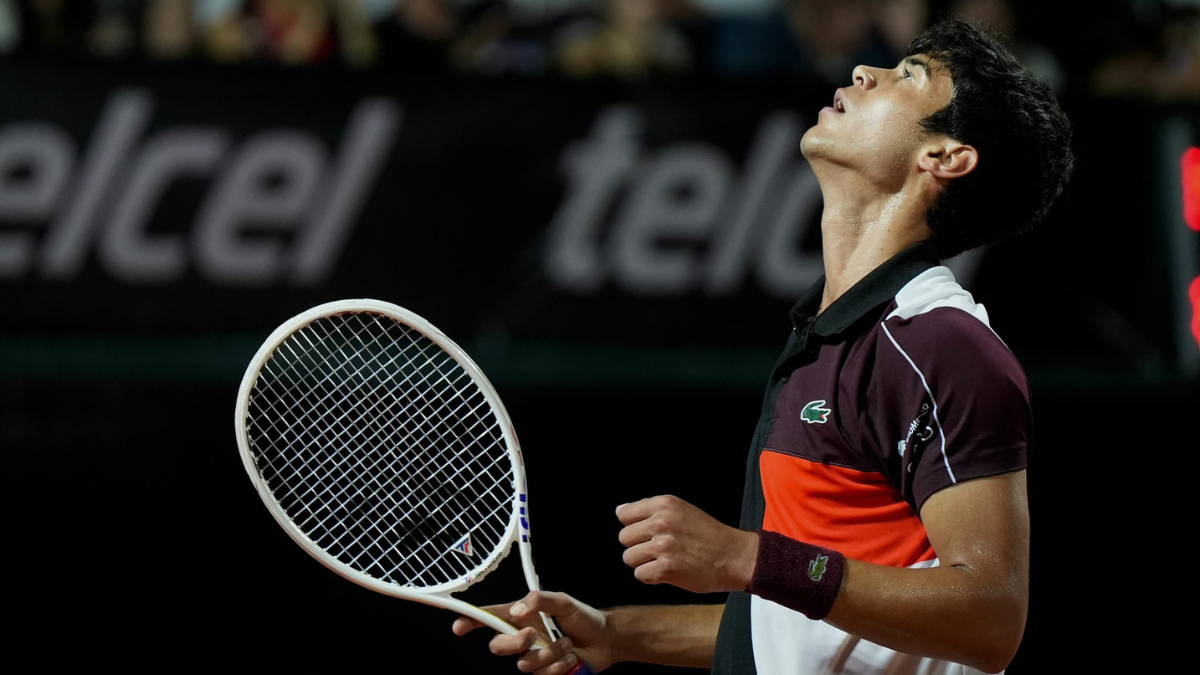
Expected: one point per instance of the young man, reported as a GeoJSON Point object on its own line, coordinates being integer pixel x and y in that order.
{"type": "Point", "coordinates": [885, 526]}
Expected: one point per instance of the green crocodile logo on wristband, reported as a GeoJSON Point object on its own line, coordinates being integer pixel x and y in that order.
{"type": "Point", "coordinates": [816, 568]}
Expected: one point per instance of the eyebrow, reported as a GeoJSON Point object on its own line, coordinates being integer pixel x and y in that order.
{"type": "Point", "coordinates": [912, 60]}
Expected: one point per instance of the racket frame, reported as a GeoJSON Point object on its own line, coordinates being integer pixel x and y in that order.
{"type": "Point", "coordinates": [517, 531]}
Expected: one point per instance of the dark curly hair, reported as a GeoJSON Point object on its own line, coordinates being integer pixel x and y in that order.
{"type": "Point", "coordinates": [1013, 120]}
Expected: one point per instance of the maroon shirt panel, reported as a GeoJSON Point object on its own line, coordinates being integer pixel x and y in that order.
{"type": "Point", "coordinates": [966, 414]}
{"type": "Point", "coordinates": [881, 416]}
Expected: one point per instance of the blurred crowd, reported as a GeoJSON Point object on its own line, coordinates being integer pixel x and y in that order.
{"type": "Point", "coordinates": [1145, 48]}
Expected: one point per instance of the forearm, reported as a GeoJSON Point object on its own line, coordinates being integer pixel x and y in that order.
{"type": "Point", "coordinates": [942, 612]}
{"type": "Point", "coordinates": [970, 609]}
{"type": "Point", "coordinates": [680, 635]}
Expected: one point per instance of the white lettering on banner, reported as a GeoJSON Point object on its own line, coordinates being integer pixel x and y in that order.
{"type": "Point", "coordinates": [49, 154]}
{"type": "Point", "coordinates": [278, 210]}
{"type": "Point", "coordinates": [680, 220]}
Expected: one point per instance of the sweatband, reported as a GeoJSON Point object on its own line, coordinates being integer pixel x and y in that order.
{"type": "Point", "coordinates": [797, 575]}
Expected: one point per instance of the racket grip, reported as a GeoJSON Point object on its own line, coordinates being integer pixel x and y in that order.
{"type": "Point", "coordinates": [580, 668]}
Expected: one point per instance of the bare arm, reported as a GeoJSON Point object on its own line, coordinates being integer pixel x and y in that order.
{"type": "Point", "coordinates": [970, 610]}
{"type": "Point", "coordinates": [683, 635]}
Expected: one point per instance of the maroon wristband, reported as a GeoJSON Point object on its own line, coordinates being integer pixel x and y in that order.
{"type": "Point", "coordinates": [797, 575]}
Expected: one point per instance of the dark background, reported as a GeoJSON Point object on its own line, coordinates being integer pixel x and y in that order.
{"type": "Point", "coordinates": [134, 538]}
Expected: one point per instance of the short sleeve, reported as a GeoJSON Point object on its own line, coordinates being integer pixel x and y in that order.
{"type": "Point", "coordinates": [949, 403]}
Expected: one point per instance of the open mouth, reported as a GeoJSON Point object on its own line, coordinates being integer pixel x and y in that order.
{"type": "Point", "coordinates": [838, 104]}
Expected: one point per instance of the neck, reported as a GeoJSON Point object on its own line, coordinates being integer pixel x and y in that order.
{"type": "Point", "coordinates": [863, 226]}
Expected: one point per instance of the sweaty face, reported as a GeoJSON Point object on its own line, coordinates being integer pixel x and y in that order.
{"type": "Point", "coordinates": [873, 125]}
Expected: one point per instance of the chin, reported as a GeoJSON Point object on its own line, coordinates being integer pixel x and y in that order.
{"type": "Point", "coordinates": [811, 143]}
{"type": "Point", "coordinates": [806, 141]}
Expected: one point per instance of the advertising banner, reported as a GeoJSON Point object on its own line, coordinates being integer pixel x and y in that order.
{"type": "Point", "coordinates": [156, 223]}
{"type": "Point", "coordinates": [159, 222]}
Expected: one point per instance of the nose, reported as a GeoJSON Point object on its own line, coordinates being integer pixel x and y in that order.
{"type": "Point", "coordinates": [863, 77]}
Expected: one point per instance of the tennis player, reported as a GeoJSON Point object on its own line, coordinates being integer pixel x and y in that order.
{"type": "Point", "coordinates": [885, 525]}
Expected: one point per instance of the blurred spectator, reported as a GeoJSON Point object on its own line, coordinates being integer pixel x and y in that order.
{"type": "Point", "coordinates": [53, 28]}
{"type": "Point", "coordinates": [549, 12]}
{"type": "Point", "coordinates": [357, 44]}
{"type": "Point", "coordinates": [289, 32]}
{"type": "Point", "coordinates": [113, 30]}
{"type": "Point", "coordinates": [834, 36]}
{"type": "Point", "coordinates": [225, 35]}
{"type": "Point", "coordinates": [818, 39]}
{"type": "Point", "coordinates": [746, 38]}
{"type": "Point", "coordinates": [898, 23]}
{"type": "Point", "coordinates": [1002, 16]}
{"type": "Point", "coordinates": [293, 32]}
{"type": "Point", "coordinates": [1137, 48]}
{"type": "Point", "coordinates": [629, 39]}
{"type": "Point", "coordinates": [168, 29]}
{"type": "Point", "coordinates": [498, 39]}
{"type": "Point", "coordinates": [415, 35]}
{"type": "Point", "coordinates": [1157, 55]}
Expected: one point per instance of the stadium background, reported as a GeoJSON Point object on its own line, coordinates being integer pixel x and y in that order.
{"type": "Point", "coordinates": [615, 236]}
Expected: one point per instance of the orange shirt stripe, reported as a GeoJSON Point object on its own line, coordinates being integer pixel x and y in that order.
{"type": "Point", "coordinates": [858, 513]}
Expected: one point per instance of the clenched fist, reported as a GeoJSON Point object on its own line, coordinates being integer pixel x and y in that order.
{"type": "Point", "coordinates": [669, 541]}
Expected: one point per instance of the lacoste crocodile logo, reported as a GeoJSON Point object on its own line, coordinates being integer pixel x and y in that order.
{"type": "Point", "coordinates": [816, 567]}
{"type": "Point", "coordinates": [813, 413]}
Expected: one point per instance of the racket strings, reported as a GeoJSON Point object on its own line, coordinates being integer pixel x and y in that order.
{"type": "Point", "coordinates": [379, 428]}
{"type": "Point", "coordinates": [381, 448]}
{"type": "Point", "coordinates": [484, 518]}
{"type": "Point", "coordinates": [442, 464]}
{"type": "Point", "coordinates": [337, 427]}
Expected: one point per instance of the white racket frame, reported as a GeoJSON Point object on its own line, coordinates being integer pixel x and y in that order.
{"type": "Point", "coordinates": [518, 525]}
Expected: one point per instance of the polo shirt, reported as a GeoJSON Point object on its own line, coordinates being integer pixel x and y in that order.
{"type": "Point", "coordinates": [899, 389]}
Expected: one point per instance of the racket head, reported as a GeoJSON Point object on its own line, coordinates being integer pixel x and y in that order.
{"type": "Point", "coordinates": [354, 462]}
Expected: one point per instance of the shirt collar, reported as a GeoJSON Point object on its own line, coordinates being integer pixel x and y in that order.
{"type": "Point", "coordinates": [877, 287]}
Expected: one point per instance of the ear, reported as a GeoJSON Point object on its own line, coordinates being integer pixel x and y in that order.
{"type": "Point", "coordinates": [948, 159]}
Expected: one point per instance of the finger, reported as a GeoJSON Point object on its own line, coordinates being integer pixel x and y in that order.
{"type": "Point", "coordinates": [510, 645]}
{"type": "Point", "coordinates": [463, 625]}
{"type": "Point", "coordinates": [641, 554]}
{"type": "Point", "coordinates": [560, 668]}
{"type": "Point", "coordinates": [636, 533]}
{"type": "Point", "coordinates": [504, 611]}
{"type": "Point", "coordinates": [547, 658]}
{"type": "Point", "coordinates": [552, 603]}
{"type": "Point", "coordinates": [650, 573]}
{"type": "Point", "coordinates": [635, 511]}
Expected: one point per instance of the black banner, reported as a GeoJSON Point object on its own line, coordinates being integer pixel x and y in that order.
{"type": "Point", "coordinates": [159, 223]}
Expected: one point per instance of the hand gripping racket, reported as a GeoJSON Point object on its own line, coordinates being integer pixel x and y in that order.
{"type": "Point", "coordinates": [383, 450]}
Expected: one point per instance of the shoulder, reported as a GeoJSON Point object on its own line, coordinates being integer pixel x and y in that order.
{"type": "Point", "coordinates": [936, 321]}
{"type": "Point", "coordinates": [936, 288]}
{"type": "Point", "coordinates": [935, 337]}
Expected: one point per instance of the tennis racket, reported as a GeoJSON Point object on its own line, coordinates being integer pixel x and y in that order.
{"type": "Point", "coordinates": [383, 450]}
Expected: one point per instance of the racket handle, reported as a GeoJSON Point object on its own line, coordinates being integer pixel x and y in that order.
{"type": "Point", "coordinates": [551, 627]}
{"type": "Point", "coordinates": [580, 668]}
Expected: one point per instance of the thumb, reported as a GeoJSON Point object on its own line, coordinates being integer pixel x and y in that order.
{"type": "Point", "coordinates": [548, 602]}
{"type": "Point", "coordinates": [463, 625]}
